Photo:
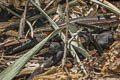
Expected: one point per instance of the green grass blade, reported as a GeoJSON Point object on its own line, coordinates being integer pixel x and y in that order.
{"type": "Point", "coordinates": [106, 6]}
{"type": "Point", "coordinates": [82, 51]}
{"type": "Point", "coordinates": [15, 68]}
{"type": "Point", "coordinates": [74, 54]}
{"type": "Point", "coordinates": [49, 19]}
{"type": "Point", "coordinates": [72, 28]}
{"type": "Point", "coordinates": [60, 12]}
{"type": "Point", "coordinates": [77, 44]}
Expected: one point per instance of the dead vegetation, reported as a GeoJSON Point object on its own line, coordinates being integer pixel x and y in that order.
{"type": "Point", "coordinates": [59, 39]}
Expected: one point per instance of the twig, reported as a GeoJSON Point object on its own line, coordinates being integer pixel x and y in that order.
{"type": "Point", "coordinates": [1, 44]}
{"type": "Point", "coordinates": [22, 22]}
{"type": "Point", "coordinates": [66, 39]}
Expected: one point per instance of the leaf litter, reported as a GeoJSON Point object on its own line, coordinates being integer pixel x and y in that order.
{"type": "Point", "coordinates": [92, 49]}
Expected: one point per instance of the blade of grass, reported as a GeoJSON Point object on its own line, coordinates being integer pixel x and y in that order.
{"type": "Point", "coordinates": [106, 6]}
{"type": "Point", "coordinates": [60, 12]}
{"type": "Point", "coordinates": [109, 4]}
{"type": "Point", "coordinates": [54, 25]}
{"type": "Point", "coordinates": [12, 70]}
{"type": "Point", "coordinates": [74, 54]}
{"type": "Point", "coordinates": [81, 50]}
{"type": "Point", "coordinates": [9, 10]}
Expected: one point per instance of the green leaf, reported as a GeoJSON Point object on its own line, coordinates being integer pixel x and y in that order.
{"type": "Point", "coordinates": [14, 69]}
{"type": "Point", "coordinates": [79, 48]}
{"type": "Point", "coordinates": [75, 42]}
{"type": "Point", "coordinates": [72, 28]}
{"type": "Point", "coordinates": [75, 55]}
{"type": "Point", "coordinates": [60, 12]}
{"type": "Point", "coordinates": [82, 51]}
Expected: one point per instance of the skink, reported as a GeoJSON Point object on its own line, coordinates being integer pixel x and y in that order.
{"type": "Point", "coordinates": [105, 21]}
{"type": "Point", "coordinates": [91, 20]}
